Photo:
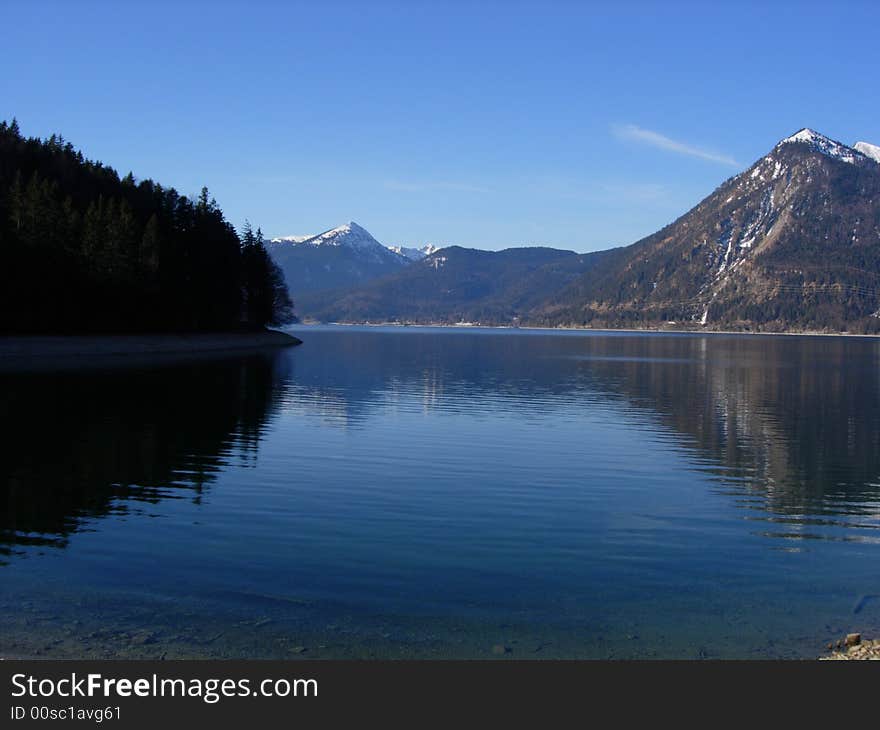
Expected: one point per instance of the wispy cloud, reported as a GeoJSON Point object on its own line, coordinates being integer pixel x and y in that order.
{"type": "Point", "coordinates": [410, 186]}
{"type": "Point", "coordinates": [596, 191]}
{"type": "Point", "coordinates": [634, 133]}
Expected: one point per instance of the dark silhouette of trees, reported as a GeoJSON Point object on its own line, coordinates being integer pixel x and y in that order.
{"type": "Point", "coordinates": [83, 250]}
{"type": "Point", "coordinates": [264, 291]}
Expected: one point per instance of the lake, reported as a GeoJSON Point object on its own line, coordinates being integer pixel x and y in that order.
{"type": "Point", "coordinates": [458, 492]}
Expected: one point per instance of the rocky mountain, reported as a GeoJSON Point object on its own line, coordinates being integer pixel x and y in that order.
{"type": "Point", "coordinates": [346, 256]}
{"type": "Point", "coordinates": [453, 285]}
{"type": "Point", "coordinates": [792, 243]}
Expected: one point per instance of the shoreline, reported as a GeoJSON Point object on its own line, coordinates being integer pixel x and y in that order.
{"type": "Point", "coordinates": [263, 636]}
{"type": "Point", "coordinates": [633, 330]}
{"type": "Point", "coordinates": [50, 352]}
{"type": "Point", "coordinates": [853, 648]}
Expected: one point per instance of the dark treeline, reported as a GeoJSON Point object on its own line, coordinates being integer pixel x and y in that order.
{"type": "Point", "coordinates": [82, 250]}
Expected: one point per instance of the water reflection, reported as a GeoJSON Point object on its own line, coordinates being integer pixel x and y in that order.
{"type": "Point", "coordinates": [788, 428]}
{"type": "Point", "coordinates": [790, 425]}
{"type": "Point", "coordinates": [82, 445]}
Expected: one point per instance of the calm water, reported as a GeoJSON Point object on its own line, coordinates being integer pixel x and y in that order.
{"type": "Point", "coordinates": [416, 492]}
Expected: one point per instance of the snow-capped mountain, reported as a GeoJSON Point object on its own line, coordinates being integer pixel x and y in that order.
{"type": "Point", "coordinates": [792, 242]}
{"type": "Point", "coordinates": [349, 235]}
{"type": "Point", "coordinates": [820, 143]}
{"type": "Point", "coordinates": [341, 257]}
{"type": "Point", "coordinates": [868, 149]}
{"type": "Point", "coordinates": [415, 254]}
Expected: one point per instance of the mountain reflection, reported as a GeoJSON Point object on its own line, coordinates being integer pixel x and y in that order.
{"type": "Point", "coordinates": [792, 421]}
{"type": "Point", "coordinates": [789, 426]}
{"type": "Point", "coordinates": [86, 444]}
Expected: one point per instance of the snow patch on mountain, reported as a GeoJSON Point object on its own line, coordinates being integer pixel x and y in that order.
{"type": "Point", "coordinates": [291, 239]}
{"type": "Point", "coordinates": [821, 143]}
{"type": "Point", "coordinates": [415, 254]}
{"type": "Point", "coordinates": [868, 150]}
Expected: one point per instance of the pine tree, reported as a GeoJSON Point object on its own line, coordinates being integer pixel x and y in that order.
{"type": "Point", "coordinates": [247, 235]}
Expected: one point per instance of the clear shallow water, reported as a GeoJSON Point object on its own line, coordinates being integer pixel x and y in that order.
{"type": "Point", "coordinates": [418, 492]}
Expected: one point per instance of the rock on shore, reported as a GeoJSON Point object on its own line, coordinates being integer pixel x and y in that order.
{"type": "Point", "coordinates": [854, 647]}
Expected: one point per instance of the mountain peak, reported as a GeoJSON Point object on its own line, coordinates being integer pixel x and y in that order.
{"type": "Point", "coordinates": [348, 234]}
{"type": "Point", "coordinates": [820, 143]}
{"type": "Point", "coordinates": [339, 258]}
{"type": "Point", "coordinates": [350, 227]}
{"type": "Point", "coordinates": [810, 136]}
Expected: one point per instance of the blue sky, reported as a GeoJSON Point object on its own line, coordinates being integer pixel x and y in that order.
{"type": "Point", "coordinates": [576, 125]}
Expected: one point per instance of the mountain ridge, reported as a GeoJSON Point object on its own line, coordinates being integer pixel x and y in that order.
{"type": "Point", "coordinates": [353, 231]}
{"type": "Point", "coordinates": [456, 284]}
{"type": "Point", "coordinates": [792, 242]}
{"type": "Point", "coordinates": [415, 254]}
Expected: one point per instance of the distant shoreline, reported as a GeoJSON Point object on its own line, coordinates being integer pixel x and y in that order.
{"type": "Point", "coordinates": [50, 352]}
{"type": "Point", "coordinates": [655, 330]}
